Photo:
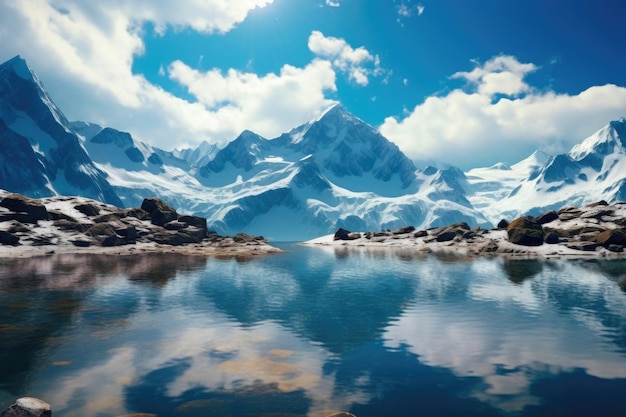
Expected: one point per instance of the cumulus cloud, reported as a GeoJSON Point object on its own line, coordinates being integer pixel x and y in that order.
{"type": "Point", "coordinates": [358, 63]}
{"type": "Point", "coordinates": [498, 115]}
{"type": "Point", "coordinates": [332, 3]}
{"type": "Point", "coordinates": [84, 53]}
{"type": "Point", "coordinates": [235, 100]}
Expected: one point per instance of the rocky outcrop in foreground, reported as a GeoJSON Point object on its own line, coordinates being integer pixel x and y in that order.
{"type": "Point", "coordinates": [75, 224]}
{"type": "Point", "coordinates": [598, 229]}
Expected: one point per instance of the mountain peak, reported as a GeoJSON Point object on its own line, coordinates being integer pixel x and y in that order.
{"type": "Point", "coordinates": [610, 139]}
{"type": "Point", "coordinates": [18, 65]}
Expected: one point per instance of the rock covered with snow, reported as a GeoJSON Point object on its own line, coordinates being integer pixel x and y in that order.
{"type": "Point", "coordinates": [597, 229]}
{"type": "Point", "coordinates": [76, 224]}
{"type": "Point", "coordinates": [28, 407]}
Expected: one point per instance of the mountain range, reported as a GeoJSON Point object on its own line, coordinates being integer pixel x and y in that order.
{"type": "Point", "coordinates": [334, 171]}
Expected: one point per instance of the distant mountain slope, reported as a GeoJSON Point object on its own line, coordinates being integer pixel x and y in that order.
{"type": "Point", "coordinates": [592, 170]}
{"type": "Point", "coordinates": [39, 142]}
{"type": "Point", "coordinates": [137, 170]}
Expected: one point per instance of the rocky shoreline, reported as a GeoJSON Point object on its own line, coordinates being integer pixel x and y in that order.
{"type": "Point", "coordinates": [34, 227]}
{"type": "Point", "coordinates": [595, 230]}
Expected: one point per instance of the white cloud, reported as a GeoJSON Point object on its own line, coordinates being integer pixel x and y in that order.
{"type": "Point", "coordinates": [358, 63]}
{"type": "Point", "coordinates": [499, 117]}
{"type": "Point", "coordinates": [84, 53]}
{"type": "Point", "coordinates": [332, 3]}
{"type": "Point", "coordinates": [267, 104]}
{"type": "Point", "coordinates": [406, 10]}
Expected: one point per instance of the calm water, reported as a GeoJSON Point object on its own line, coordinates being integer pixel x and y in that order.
{"type": "Point", "coordinates": [376, 333]}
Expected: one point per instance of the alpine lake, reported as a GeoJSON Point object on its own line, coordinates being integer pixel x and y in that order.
{"type": "Point", "coordinates": [313, 332]}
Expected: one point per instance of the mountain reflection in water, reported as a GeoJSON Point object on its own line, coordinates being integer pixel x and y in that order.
{"type": "Point", "coordinates": [373, 332]}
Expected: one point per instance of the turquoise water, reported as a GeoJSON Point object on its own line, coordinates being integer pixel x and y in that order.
{"type": "Point", "coordinates": [375, 333]}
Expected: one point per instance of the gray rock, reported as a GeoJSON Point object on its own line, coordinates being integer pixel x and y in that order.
{"type": "Point", "coordinates": [182, 237]}
{"type": "Point", "coordinates": [194, 221]}
{"type": "Point", "coordinates": [33, 210]}
{"type": "Point", "coordinates": [160, 212]}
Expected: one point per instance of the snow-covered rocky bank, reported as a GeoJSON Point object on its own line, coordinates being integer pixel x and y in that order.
{"type": "Point", "coordinates": [596, 230]}
{"type": "Point", "coordinates": [32, 227]}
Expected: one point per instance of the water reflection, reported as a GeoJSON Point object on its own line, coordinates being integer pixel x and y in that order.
{"type": "Point", "coordinates": [371, 332]}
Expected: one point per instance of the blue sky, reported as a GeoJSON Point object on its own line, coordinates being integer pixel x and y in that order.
{"type": "Point", "coordinates": [464, 82]}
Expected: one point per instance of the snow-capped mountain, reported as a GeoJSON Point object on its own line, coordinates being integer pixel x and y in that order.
{"type": "Point", "coordinates": [135, 169]}
{"type": "Point", "coordinates": [41, 154]}
{"type": "Point", "coordinates": [198, 156]}
{"type": "Point", "coordinates": [592, 170]}
{"type": "Point", "coordinates": [334, 171]}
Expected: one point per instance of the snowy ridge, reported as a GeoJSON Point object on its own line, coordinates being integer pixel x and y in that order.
{"type": "Point", "coordinates": [593, 170]}
{"type": "Point", "coordinates": [41, 146]}
{"type": "Point", "coordinates": [334, 171]}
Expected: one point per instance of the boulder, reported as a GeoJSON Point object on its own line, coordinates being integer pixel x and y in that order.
{"type": "Point", "coordinates": [420, 233]}
{"type": "Point", "coordinates": [611, 237]}
{"type": "Point", "coordinates": [194, 221]}
{"type": "Point", "coordinates": [175, 225]}
{"type": "Point", "coordinates": [160, 212]}
{"type": "Point", "coordinates": [81, 243]}
{"type": "Point", "coordinates": [137, 213]}
{"type": "Point", "coordinates": [34, 210]}
{"type": "Point", "coordinates": [114, 240]}
{"type": "Point", "coordinates": [128, 233]}
{"type": "Point", "coordinates": [597, 203]}
{"type": "Point", "coordinates": [569, 213]}
{"type": "Point", "coordinates": [7, 238]}
{"type": "Point", "coordinates": [243, 238]}
{"type": "Point", "coordinates": [88, 209]}
{"type": "Point", "coordinates": [446, 234]}
{"type": "Point", "coordinates": [343, 234]}
{"type": "Point", "coordinates": [404, 230]}
{"type": "Point", "coordinates": [552, 238]}
{"type": "Point", "coordinates": [547, 217]}
{"type": "Point", "coordinates": [503, 224]}
{"type": "Point", "coordinates": [101, 229]}
{"type": "Point", "coordinates": [28, 407]}
{"type": "Point", "coordinates": [182, 237]}
{"type": "Point", "coordinates": [525, 231]}
{"type": "Point", "coordinates": [57, 215]}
